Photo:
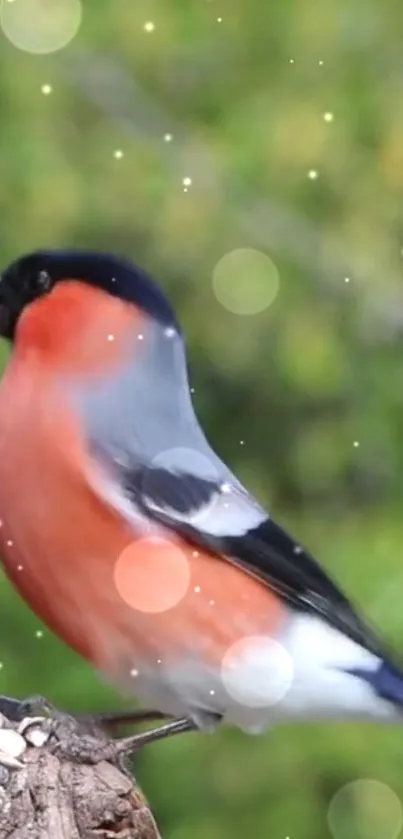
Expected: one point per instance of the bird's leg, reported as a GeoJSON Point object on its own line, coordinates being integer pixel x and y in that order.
{"type": "Point", "coordinates": [91, 748]}
{"type": "Point", "coordinates": [11, 708]}
{"type": "Point", "coordinates": [111, 719]}
{"type": "Point", "coordinates": [17, 709]}
{"type": "Point", "coordinates": [127, 745]}
{"type": "Point", "coordinates": [83, 740]}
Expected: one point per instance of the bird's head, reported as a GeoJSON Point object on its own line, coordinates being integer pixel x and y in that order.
{"type": "Point", "coordinates": [42, 273]}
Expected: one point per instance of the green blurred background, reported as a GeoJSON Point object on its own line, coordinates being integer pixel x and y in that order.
{"type": "Point", "coordinates": [287, 118]}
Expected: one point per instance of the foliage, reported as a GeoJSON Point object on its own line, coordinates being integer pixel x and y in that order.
{"type": "Point", "coordinates": [299, 383]}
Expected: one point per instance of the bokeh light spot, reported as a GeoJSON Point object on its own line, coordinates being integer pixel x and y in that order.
{"type": "Point", "coordinates": [40, 26]}
{"type": "Point", "coordinates": [152, 575]}
{"type": "Point", "coordinates": [257, 671]}
{"type": "Point", "coordinates": [245, 281]}
{"type": "Point", "coordinates": [365, 809]}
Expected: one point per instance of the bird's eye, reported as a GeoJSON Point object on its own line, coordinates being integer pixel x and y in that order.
{"type": "Point", "coordinates": [43, 281]}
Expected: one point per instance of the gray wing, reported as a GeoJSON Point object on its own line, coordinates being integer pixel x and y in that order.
{"type": "Point", "coordinates": [141, 421]}
{"type": "Point", "coordinates": [141, 426]}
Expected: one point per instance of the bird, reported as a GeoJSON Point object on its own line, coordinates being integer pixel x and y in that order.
{"type": "Point", "coordinates": [131, 539]}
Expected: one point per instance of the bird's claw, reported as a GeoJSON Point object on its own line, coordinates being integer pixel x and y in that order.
{"type": "Point", "coordinates": [11, 708]}
{"type": "Point", "coordinates": [64, 732]}
{"type": "Point", "coordinates": [35, 706]}
{"type": "Point", "coordinates": [79, 747]}
{"type": "Point", "coordinates": [81, 740]}
{"type": "Point", "coordinates": [84, 747]}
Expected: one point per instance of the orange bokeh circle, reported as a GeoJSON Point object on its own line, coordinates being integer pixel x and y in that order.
{"type": "Point", "coordinates": [152, 574]}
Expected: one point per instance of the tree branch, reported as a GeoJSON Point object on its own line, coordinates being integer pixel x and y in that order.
{"type": "Point", "coordinates": [43, 796]}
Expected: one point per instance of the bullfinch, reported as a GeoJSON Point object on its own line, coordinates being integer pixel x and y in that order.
{"type": "Point", "coordinates": [132, 540]}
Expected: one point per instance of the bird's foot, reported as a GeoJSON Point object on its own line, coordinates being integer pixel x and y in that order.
{"type": "Point", "coordinates": [84, 739]}
{"type": "Point", "coordinates": [33, 706]}
{"type": "Point", "coordinates": [16, 709]}
{"type": "Point", "coordinates": [71, 743]}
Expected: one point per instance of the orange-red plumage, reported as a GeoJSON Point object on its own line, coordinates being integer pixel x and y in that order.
{"type": "Point", "coordinates": [76, 328]}
{"type": "Point", "coordinates": [62, 553]}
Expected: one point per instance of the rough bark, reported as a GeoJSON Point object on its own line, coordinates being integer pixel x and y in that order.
{"type": "Point", "coordinates": [50, 798]}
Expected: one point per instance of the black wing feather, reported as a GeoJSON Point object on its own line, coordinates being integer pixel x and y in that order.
{"type": "Point", "coordinates": [276, 558]}
{"type": "Point", "coordinates": [267, 552]}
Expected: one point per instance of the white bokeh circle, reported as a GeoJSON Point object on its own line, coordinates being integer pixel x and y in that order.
{"type": "Point", "coordinates": [365, 809]}
{"type": "Point", "coordinates": [257, 671]}
{"type": "Point", "coordinates": [40, 26]}
{"type": "Point", "coordinates": [246, 281]}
